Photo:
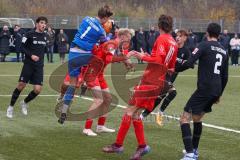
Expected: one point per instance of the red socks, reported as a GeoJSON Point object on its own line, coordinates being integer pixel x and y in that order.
{"type": "Point", "coordinates": [125, 125]}
{"type": "Point", "coordinates": [88, 124]}
{"type": "Point", "coordinates": [101, 121]}
{"type": "Point", "coordinates": [139, 132]}
{"type": "Point", "coordinates": [138, 127]}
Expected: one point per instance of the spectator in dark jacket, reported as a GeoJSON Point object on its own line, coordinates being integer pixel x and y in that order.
{"type": "Point", "coordinates": [140, 42]}
{"type": "Point", "coordinates": [151, 38]}
{"type": "Point", "coordinates": [224, 39]}
{"type": "Point", "coordinates": [62, 42]}
{"type": "Point", "coordinates": [50, 46]}
{"type": "Point", "coordinates": [191, 41]}
{"type": "Point", "coordinates": [204, 38]}
{"type": "Point", "coordinates": [4, 43]}
{"type": "Point", "coordinates": [18, 34]}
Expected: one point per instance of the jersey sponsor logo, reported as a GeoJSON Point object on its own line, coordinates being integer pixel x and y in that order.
{"type": "Point", "coordinates": [24, 39]}
{"type": "Point", "coordinates": [195, 51]}
{"type": "Point", "coordinates": [179, 60]}
{"type": "Point", "coordinates": [161, 49]}
{"type": "Point", "coordinates": [39, 42]}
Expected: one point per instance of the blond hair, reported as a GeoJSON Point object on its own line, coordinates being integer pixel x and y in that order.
{"type": "Point", "coordinates": [125, 31]}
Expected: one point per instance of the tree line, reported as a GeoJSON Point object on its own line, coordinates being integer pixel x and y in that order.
{"type": "Point", "coordinates": [202, 9]}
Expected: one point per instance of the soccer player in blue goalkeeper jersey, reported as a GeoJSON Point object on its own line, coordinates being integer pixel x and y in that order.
{"type": "Point", "coordinates": [89, 33]}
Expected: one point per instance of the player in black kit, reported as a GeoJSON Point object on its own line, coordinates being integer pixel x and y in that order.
{"type": "Point", "coordinates": [34, 43]}
{"type": "Point", "coordinates": [183, 54]}
{"type": "Point", "coordinates": [212, 79]}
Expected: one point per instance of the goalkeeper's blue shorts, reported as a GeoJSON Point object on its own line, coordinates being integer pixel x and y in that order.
{"type": "Point", "coordinates": [76, 59]}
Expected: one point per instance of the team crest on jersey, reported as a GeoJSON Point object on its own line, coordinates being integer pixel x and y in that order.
{"type": "Point", "coordinates": [195, 51]}
{"type": "Point", "coordinates": [161, 48]}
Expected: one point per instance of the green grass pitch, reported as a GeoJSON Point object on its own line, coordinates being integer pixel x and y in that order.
{"type": "Point", "coordinates": [38, 136]}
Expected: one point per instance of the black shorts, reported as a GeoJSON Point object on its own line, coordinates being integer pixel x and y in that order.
{"type": "Point", "coordinates": [32, 74]}
{"type": "Point", "coordinates": [200, 103]}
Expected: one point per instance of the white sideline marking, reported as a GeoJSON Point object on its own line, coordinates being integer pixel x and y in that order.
{"type": "Point", "coordinates": [108, 75]}
{"type": "Point", "coordinates": [121, 106]}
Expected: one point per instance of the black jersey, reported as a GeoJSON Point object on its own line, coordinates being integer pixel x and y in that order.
{"type": "Point", "coordinates": [183, 54]}
{"type": "Point", "coordinates": [34, 43]}
{"type": "Point", "coordinates": [212, 67]}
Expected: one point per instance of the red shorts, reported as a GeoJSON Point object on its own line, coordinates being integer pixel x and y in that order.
{"type": "Point", "coordinates": [144, 96]}
{"type": "Point", "coordinates": [80, 79]}
{"type": "Point", "coordinates": [90, 79]}
{"type": "Point", "coordinates": [99, 81]}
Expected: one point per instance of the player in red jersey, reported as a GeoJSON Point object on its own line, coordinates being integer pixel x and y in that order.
{"type": "Point", "coordinates": [99, 86]}
{"type": "Point", "coordinates": [162, 59]}
{"type": "Point", "coordinates": [97, 83]}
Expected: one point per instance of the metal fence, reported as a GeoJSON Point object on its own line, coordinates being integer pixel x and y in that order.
{"type": "Point", "coordinates": [197, 25]}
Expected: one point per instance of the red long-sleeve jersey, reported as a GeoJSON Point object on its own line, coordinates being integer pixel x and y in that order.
{"type": "Point", "coordinates": [93, 74]}
{"type": "Point", "coordinates": [162, 58]}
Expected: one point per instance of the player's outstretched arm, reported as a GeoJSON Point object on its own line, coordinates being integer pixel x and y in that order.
{"type": "Point", "coordinates": [141, 55]}
{"type": "Point", "coordinates": [191, 60]}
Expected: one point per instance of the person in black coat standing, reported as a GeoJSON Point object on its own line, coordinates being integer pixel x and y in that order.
{"type": "Point", "coordinates": [151, 38]}
{"type": "Point", "coordinates": [191, 41]}
{"type": "Point", "coordinates": [50, 46]}
{"type": "Point", "coordinates": [224, 40]}
{"type": "Point", "coordinates": [62, 42]}
{"type": "Point", "coordinates": [18, 34]}
{"type": "Point", "coordinates": [141, 42]}
{"type": "Point", "coordinates": [4, 43]}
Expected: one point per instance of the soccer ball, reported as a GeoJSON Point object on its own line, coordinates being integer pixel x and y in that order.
{"type": "Point", "coordinates": [108, 26]}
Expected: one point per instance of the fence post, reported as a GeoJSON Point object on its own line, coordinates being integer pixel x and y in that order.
{"type": "Point", "coordinates": [126, 22]}
{"type": "Point", "coordinates": [221, 24]}
{"type": "Point", "coordinates": [239, 26]}
{"type": "Point", "coordinates": [174, 23]}
{"type": "Point", "coordinates": [149, 23]}
{"type": "Point", "coordinates": [55, 22]}
{"type": "Point", "coordinates": [180, 24]}
{"type": "Point", "coordinates": [78, 19]}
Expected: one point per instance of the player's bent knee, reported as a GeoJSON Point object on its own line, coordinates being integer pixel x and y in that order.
{"type": "Point", "coordinates": [21, 86]}
{"type": "Point", "coordinates": [37, 89]}
{"type": "Point", "coordinates": [128, 111]}
{"type": "Point", "coordinates": [107, 100]}
{"type": "Point", "coordinates": [197, 118]}
{"type": "Point", "coordinates": [98, 101]}
{"type": "Point", "coordinates": [184, 119]}
{"type": "Point", "coordinates": [66, 83]}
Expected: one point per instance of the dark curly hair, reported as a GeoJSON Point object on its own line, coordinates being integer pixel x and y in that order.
{"type": "Point", "coordinates": [41, 19]}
